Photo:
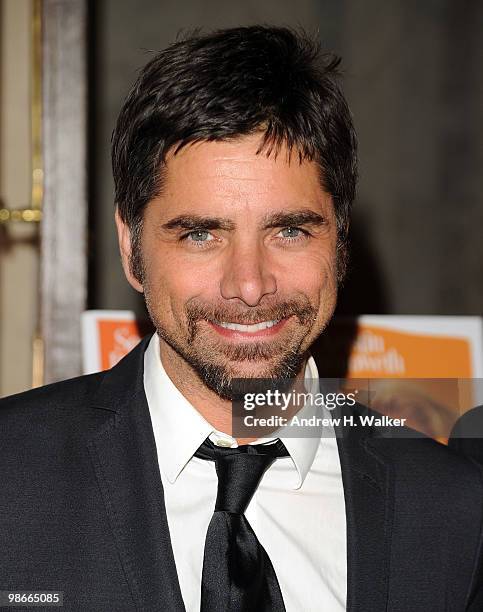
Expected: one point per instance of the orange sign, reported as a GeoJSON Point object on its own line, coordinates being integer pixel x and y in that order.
{"type": "Point", "coordinates": [384, 353]}
{"type": "Point", "coordinates": [109, 335]}
{"type": "Point", "coordinates": [116, 339]}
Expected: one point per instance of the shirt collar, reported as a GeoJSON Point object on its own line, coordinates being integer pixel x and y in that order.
{"type": "Point", "coordinates": [179, 429]}
{"type": "Point", "coordinates": [303, 448]}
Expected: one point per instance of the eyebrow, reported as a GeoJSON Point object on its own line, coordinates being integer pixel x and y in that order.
{"type": "Point", "coordinates": [192, 222]}
{"type": "Point", "coordinates": [279, 219]}
{"type": "Point", "coordinates": [294, 218]}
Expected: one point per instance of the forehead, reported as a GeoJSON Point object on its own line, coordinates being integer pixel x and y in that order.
{"type": "Point", "coordinates": [232, 174]}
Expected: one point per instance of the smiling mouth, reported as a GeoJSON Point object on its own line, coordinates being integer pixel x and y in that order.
{"type": "Point", "coordinates": [253, 330]}
{"type": "Point", "coordinates": [248, 328]}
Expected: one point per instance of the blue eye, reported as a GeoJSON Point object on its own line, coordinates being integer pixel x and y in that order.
{"type": "Point", "coordinates": [198, 235]}
{"type": "Point", "coordinates": [291, 232]}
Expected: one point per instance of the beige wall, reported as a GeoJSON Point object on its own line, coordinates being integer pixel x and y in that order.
{"type": "Point", "coordinates": [18, 252]}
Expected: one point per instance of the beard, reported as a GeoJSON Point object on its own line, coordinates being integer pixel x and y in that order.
{"type": "Point", "coordinates": [233, 369]}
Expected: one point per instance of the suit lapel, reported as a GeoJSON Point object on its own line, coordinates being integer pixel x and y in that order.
{"type": "Point", "coordinates": [368, 492]}
{"type": "Point", "coordinates": [125, 461]}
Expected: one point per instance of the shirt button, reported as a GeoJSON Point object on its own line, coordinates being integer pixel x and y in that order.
{"type": "Point", "coordinates": [224, 442]}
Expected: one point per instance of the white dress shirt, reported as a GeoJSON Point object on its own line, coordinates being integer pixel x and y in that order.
{"type": "Point", "coordinates": [297, 512]}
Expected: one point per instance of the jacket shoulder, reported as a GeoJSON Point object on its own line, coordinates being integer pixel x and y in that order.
{"type": "Point", "coordinates": [62, 394]}
{"type": "Point", "coordinates": [64, 405]}
{"type": "Point", "coordinates": [439, 470]}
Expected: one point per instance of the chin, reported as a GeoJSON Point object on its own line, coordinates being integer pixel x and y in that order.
{"type": "Point", "coordinates": [252, 371]}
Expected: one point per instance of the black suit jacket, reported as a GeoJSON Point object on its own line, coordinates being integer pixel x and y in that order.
{"type": "Point", "coordinates": [82, 509]}
{"type": "Point", "coordinates": [467, 434]}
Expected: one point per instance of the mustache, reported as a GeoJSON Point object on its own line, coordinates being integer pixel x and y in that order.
{"type": "Point", "coordinates": [300, 307]}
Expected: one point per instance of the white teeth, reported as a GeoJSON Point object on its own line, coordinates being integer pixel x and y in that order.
{"type": "Point", "coordinates": [249, 328]}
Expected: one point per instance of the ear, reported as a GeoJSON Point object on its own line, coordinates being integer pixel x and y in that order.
{"type": "Point", "coordinates": [124, 237]}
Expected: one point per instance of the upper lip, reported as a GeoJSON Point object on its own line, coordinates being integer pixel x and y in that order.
{"type": "Point", "coordinates": [250, 323]}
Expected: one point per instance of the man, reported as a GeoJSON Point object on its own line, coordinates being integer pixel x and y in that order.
{"type": "Point", "coordinates": [234, 160]}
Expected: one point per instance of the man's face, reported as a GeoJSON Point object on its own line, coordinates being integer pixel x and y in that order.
{"type": "Point", "coordinates": [239, 261]}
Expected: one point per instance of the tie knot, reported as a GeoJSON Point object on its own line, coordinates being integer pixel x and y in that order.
{"type": "Point", "coordinates": [239, 471]}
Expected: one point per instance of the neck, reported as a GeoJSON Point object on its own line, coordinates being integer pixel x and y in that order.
{"type": "Point", "coordinates": [214, 409]}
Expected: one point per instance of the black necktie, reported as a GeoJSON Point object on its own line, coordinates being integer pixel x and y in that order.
{"type": "Point", "coordinates": [238, 575]}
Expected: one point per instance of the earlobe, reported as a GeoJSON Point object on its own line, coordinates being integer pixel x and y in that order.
{"type": "Point", "coordinates": [124, 237]}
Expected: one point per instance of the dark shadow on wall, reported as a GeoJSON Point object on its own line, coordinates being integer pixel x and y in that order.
{"type": "Point", "coordinates": [363, 291]}
{"type": "Point", "coordinates": [459, 159]}
{"type": "Point", "coordinates": [96, 242]}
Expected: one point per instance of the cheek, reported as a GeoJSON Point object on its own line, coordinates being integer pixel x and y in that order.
{"type": "Point", "coordinates": [172, 282]}
{"type": "Point", "coordinates": [314, 274]}
{"type": "Point", "coordinates": [189, 283]}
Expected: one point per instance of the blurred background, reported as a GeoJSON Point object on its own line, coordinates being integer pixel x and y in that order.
{"type": "Point", "coordinates": [413, 78]}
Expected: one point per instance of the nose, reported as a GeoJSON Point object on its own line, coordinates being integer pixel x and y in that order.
{"type": "Point", "coordinates": [247, 274]}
